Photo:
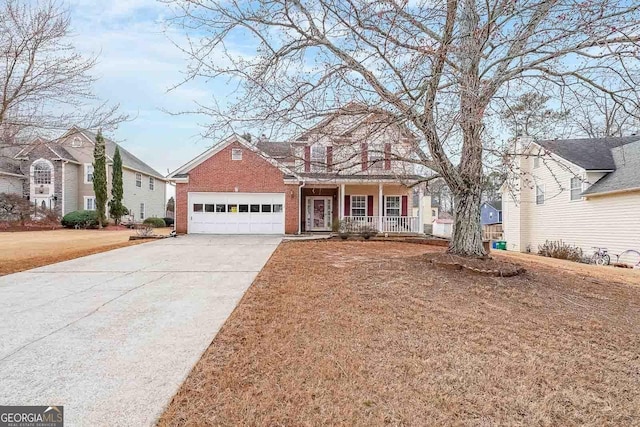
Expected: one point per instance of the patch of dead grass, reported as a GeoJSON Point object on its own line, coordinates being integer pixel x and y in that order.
{"type": "Point", "coordinates": [367, 333]}
{"type": "Point", "coordinates": [21, 251]}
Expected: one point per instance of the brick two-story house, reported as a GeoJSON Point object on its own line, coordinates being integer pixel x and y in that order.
{"type": "Point", "coordinates": [345, 168]}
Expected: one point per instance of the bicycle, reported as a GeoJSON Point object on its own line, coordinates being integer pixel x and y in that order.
{"type": "Point", "coordinates": [630, 258]}
{"type": "Point", "coordinates": [600, 256]}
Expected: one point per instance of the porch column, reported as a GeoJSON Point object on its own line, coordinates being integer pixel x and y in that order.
{"type": "Point", "coordinates": [380, 206]}
{"type": "Point", "coordinates": [420, 220]}
{"type": "Point", "coordinates": [341, 202]}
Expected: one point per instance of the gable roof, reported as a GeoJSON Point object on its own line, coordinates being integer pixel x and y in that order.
{"type": "Point", "coordinates": [496, 204]}
{"type": "Point", "coordinates": [182, 171]}
{"type": "Point", "coordinates": [627, 171]}
{"type": "Point", "coordinates": [128, 159]}
{"type": "Point", "coordinates": [588, 153]}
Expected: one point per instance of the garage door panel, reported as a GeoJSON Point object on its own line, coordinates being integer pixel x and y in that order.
{"type": "Point", "coordinates": [236, 213]}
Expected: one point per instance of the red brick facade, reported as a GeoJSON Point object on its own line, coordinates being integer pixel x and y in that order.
{"type": "Point", "coordinates": [252, 174]}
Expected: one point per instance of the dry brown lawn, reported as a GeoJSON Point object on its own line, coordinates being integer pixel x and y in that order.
{"type": "Point", "coordinates": [29, 249]}
{"type": "Point", "coordinates": [367, 333]}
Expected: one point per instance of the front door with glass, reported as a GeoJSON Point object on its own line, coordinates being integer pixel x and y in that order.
{"type": "Point", "coordinates": [319, 213]}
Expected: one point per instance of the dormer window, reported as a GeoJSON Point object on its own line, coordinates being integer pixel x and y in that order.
{"type": "Point", "coordinates": [76, 142]}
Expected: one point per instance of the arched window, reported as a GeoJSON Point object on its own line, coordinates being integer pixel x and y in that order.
{"type": "Point", "coordinates": [42, 173]}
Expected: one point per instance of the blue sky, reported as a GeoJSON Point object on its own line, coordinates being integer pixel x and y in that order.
{"type": "Point", "coordinates": [137, 65]}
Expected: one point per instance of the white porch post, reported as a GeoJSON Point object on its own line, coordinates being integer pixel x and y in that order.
{"type": "Point", "coordinates": [341, 202]}
{"type": "Point", "coordinates": [420, 220]}
{"type": "Point", "coordinates": [380, 206]}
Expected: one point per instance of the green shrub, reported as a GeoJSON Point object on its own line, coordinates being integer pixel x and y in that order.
{"type": "Point", "coordinates": [559, 249]}
{"type": "Point", "coordinates": [80, 219]}
{"type": "Point", "coordinates": [169, 221]}
{"type": "Point", "coordinates": [155, 222]}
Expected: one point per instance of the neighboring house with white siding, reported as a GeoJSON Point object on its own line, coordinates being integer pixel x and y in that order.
{"type": "Point", "coordinates": [58, 175]}
{"type": "Point", "coordinates": [585, 192]}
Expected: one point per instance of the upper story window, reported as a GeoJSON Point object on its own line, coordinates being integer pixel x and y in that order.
{"type": "Point", "coordinates": [236, 154]}
{"type": "Point", "coordinates": [539, 195]}
{"type": "Point", "coordinates": [318, 158]}
{"type": "Point", "coordinates": [576, 188]}
{"type": "Point", "coordinates": [376, 157]}
{"type": "Point", "coordinates": [42, 173]}
{"type": "Point", "coordinates": [76, 142]}
{"type": "Point", "coordinates": [152, 183]}
{"type": "Point", "coordinates": [88, 173]}
{"type": "Point", "coordinates": [139, 180]}
{"type": "Point", "coordinates": [536, 162]}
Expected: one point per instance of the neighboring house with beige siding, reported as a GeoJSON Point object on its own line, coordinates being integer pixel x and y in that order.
{"type": "Point", "coordinates": [58, 175]}
{"type": "Point", "coordinates": [585, 192]}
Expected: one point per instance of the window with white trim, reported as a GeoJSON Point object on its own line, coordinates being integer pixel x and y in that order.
{"type": "Point", "coordinates": [536, 162]}
{"type": "Point", "coordinates": [90, 203]}
{"type": "Point", "coordinates": [236, 154]}
{"type": "Point", "coordinates": [376, 157]}
{"type": "Point", "coordinates": [41, 173]}
{"type": "Point", "coordinates": [576, 188]}
{"type": "Point", "coordinates": [142, 212]}
{"type": "Point", "coordinates": [318, 158]}
{"type": "Point", "coordinates": [152, 183]}
{"type": "Point", "coordinates": [76, 142]}
{"type": "Point", "coordinates": [392, 205]}
{"type": "Point", "coordinates": [539, 195]}
{"type": "Point", "coordinates": [358, 205]}
{"type": "Point", "coordinates": [139, 180]}
{"type": "Point", "coordinates": [88, 173]}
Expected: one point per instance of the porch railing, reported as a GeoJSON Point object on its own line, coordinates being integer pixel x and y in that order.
{"type": "Point", "coordinates": [385, 224]}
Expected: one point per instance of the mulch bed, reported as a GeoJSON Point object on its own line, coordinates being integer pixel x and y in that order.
{"type": "Point", "coordinates": [369, 333]}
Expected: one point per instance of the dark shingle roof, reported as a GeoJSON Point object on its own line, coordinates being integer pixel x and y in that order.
{"type": "Point", "coordinates": [280, 151]}
{"type": "Point", "coordinates": [627, 171]}
{"type": "Point", "coordinates": [334, 176]}
{"type": "Point", "coordinates": [497, 204]}
{"type": "Point", "coordinates": [7, 162]}
{"type": "Point", "coordinates": [62, 152]}
{"type": "Point", "coordinates": [128, 159]}
{"type": "Point", "coordinates": [588, 153]}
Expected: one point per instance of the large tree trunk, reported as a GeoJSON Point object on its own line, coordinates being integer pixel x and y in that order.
{"type": "Point", "coordinates": [467, 231]}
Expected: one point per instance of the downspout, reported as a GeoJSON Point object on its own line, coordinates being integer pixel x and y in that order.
{"type": "Point", "coordinates": [300, 206]}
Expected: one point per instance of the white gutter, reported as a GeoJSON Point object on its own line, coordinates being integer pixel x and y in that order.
{"type": "Point", "coordinates": [300, 206]}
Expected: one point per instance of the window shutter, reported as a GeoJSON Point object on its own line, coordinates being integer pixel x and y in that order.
{"type": "Point", "coordinates": [387, 156]}
{"type": "Point", "coordinates": [347, 205]}
{"type": "Point", "coordinates": [365, 156]}
{"type": "Point", "coordinates": [404, 205]}
{"type": "Point", "coordinates": [307, 158]}
{"type": "Point", "coordinates": [329, 158]}
{"type": "Point", "coordinates": [369, 205]}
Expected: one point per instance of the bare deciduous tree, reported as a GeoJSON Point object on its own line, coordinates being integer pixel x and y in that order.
{"type": "Point", "coordinates": [46, 86]}
{"type": "Point", "coordinates": [437, 67]}
{"type": "Point", "coordinates": [598, 116]}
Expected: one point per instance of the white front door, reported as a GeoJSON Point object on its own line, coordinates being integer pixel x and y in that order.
{"type": "Point", "coordinates": [319, 212]}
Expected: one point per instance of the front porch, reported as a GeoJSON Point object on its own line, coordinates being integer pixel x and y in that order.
{"type": "Point", "coordinates": [382, 207]}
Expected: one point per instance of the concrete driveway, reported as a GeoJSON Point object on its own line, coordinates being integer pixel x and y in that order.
{"type": "Point", "coordinates": [111, 336]}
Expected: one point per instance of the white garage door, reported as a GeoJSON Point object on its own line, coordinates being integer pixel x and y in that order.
{"type": "Point", "coordinates": [236, 213]}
